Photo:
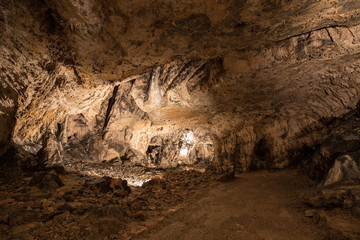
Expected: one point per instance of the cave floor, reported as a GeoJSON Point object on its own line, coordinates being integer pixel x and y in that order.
{"type": "Point", "coordinates": [256, 205]}
{"type": "Point", "coordinates": [180, 205]}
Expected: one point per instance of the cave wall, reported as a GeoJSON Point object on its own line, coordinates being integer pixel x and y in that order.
{"type": "Point", "coordinates": [32, 52]}
{"type": "Point", "coordinates": [299, 85]}
{"type": "Point", "coordinates": [277, 103]}
{"type": "Point", "coordinates": [337, 158]}
{"type": "Point", "coordinates": [22, 62]}
{"type": "Point", "coordinates": [126, 120]}
{"type": "Point", "coordinates": [269, 116]}
{"type": "Point", "coordinates": [254, 90]}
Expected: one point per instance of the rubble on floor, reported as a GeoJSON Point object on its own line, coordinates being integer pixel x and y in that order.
{"type": "Point", "coordinates": [337, 208]}
{"type": "Point", "coordinates": [49, 205]}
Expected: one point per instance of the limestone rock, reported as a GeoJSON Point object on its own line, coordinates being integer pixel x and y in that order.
{"type": "Point", "coordinates": [345, 168]}
{"type": "Point", "coordinates": [162, 83]}
{"type": "Point", "coordinates": [111, 155]}
{"type": "Point", "coordinates": [337, 158]}
{"type": "Point", "coordinates": [227, 177]}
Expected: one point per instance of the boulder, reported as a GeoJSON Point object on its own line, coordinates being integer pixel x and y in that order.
{"type": "Point", "coordinates": [344, 168]}
{"type": "Point", "coordinates": [46, 180]}
{"type": "Point", "coordinates": [108, 184]}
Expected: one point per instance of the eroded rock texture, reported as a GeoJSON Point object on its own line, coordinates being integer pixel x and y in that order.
{"type": "Point", "coordinates": [148, 119]}
{"type": "Point", "coordinates": [113, 39]}
{"type": "Point", "coordinates": [240, 84]}
{"type": "Point", "coordinates": [337, 159]}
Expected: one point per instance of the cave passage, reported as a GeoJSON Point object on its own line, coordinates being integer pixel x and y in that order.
{"type": "Point", "coordinates": [179, 119]}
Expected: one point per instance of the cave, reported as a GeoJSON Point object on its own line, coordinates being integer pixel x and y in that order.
{"type": "Point", "coordinates": [207, 119]}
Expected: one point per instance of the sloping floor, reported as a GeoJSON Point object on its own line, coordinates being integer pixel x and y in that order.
{"type": "Point", "coordinates": [256, 205]}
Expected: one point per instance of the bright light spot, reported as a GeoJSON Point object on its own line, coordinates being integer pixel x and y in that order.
{"type": "Point", "coordinates": [136, 183]}
{"type": "Point", "coordinates": [183, 151]}
{"type": "Point", "coordinates": [187, 141]}
{"type": "Point", "coordinates": [188, 137]}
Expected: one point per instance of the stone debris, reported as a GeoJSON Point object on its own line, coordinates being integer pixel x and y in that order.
{"type": "Point", "coordinates": [46, 180]}
{"type": "Point", "coordinates": [171, 211]}
{"type": "Point", "coordinates": [336, 208]}
{"type": "Point", "coordinates": [73, 206]}
{"type": "Point", "coordinates": [342, 196]}
{"type": "Point", "coordinates": [310, 212]}
{"type": "Point", "coordinates": [321, 217]}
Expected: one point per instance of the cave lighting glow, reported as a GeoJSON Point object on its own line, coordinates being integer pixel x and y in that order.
{"type": "Point", "coordinates": [187, 140]}
{"type": "Point", "coordinates": [183, 151]}
{"type": "Point", "coordinates": [136, 183]}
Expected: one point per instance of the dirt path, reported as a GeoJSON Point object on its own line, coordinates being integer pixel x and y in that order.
{"type": "Point", "coordinates": [256, 205]}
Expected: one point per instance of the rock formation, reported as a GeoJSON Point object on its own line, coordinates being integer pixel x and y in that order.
{"type": "Point", "coordinates": [99, 94]}
{"type": "Point", "coordinates": [237, 84]}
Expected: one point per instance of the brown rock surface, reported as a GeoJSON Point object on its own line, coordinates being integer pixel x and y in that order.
{"type": "Point", "coordinates": [125, 89]}
{"type": "Point", "coordinates": [256, 83]}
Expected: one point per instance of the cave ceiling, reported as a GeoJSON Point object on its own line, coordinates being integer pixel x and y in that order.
{"type": "Point", "coordinates": [116, 39]}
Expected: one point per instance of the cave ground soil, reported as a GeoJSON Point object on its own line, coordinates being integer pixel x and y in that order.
{"type": "Point", "coordinates": [258, 205]}
{"type": "Point", "coordinates": [255, 205]}
{"type": "Point", "coordinates": [181, 205]}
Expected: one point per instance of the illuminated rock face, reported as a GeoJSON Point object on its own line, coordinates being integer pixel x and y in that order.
{"type": "Point", "coordinates": [146, 118]}
{"type": "Point", "coordinates": [202, 82]}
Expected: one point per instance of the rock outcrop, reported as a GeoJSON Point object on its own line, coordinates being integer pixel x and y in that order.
{"type": "Point", "coordinates": [146, 118]}
{"type": "Point", "coordinates": [337, 158]}
{"type": "Point", "coordinates": [224, 83]}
